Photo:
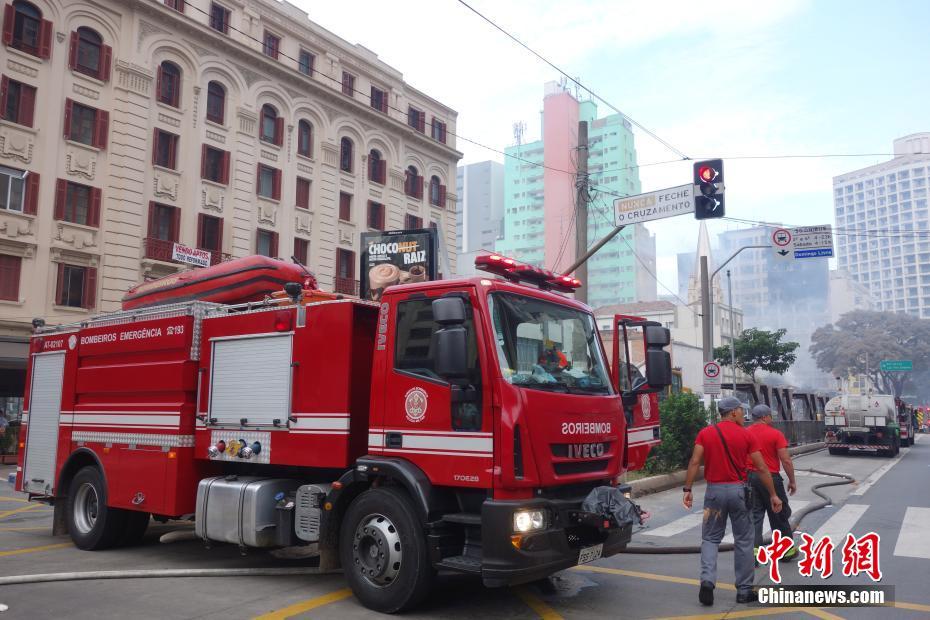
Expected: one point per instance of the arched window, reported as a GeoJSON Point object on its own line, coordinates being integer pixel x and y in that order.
{"type": "Point", "coordinates": [169, 84]}
{"type": "Point", "coordinates": [216, 103]}
{"type": "Point", "coordinates": [272, 126]}
{"type": "Point", "coordinates": [345, 155]}
{"type": "Point", "coordinates": [377, 167]}
{"type": "Point", "coordinates": [305, 139]}
{"type": "Point", "coordinates": [25, 31]}
{"type": "Point", "coordinates": [436, 191]}
{"type": "Point", "coordinates": [413, 183]}
{"type": "Point", "coordinates": [88, 54]}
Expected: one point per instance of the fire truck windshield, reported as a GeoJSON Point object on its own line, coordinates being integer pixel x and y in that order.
{"type": "Point", "coordinates": [547, 346]}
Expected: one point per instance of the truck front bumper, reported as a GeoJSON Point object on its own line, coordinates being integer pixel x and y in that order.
{"type": "Point", "coordinates": [543, 552]}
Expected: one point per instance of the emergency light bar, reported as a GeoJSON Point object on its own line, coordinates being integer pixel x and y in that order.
{"type": "Point", "coordinates": [521, 272]}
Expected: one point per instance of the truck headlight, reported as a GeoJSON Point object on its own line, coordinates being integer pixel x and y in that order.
{"type": "Point", "coordinates": [529, 520]}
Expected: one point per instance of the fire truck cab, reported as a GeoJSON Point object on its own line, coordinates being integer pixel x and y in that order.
{"type": "Point", "coordinates": [456, 425]}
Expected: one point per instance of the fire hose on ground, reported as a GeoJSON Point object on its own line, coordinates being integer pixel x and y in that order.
{"type": "Point", "coordinates": [278, 572]}
{"type": "Point", "coordinates": [795, 521]}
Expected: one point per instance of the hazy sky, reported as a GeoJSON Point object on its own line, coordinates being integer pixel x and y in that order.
{"type": "Point", "coordinates": [725, 78]}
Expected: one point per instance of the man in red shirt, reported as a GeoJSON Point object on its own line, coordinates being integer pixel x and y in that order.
{"type": "Point", "coordinates": [725, 449]}
{"type": "Point", "coordinates": [774, 449]}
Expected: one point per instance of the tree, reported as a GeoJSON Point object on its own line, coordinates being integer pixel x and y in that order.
{"type": "Point", "coordinates": [758, 349]}
{"type": "Point", "coordinates": [861, 339]}
{"type": "Point", "coordinates": [681, 417]}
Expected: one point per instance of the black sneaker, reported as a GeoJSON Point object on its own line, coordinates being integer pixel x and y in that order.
{"type": "Point", "coordinates": [747, 597]}
{"type": "Point", "coordinates": [706, 595]}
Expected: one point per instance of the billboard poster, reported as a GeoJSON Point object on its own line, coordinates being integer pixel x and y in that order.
{"type": "Point", "coordinates": [396, 257]}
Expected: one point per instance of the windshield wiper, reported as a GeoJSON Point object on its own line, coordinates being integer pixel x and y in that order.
{"type": "Point", "coordinates": [550, 387]}
{"type": "Point", "coordinates": [587, 390]}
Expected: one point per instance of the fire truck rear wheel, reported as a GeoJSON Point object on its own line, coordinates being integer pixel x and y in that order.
{"type": "Point", "coordinates": [383, 551]}
{"type": "Point", "coordinates": [92, 524]}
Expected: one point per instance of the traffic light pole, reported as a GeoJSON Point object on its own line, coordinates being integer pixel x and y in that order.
{"type": "Point", "coordinates": [593, 250]}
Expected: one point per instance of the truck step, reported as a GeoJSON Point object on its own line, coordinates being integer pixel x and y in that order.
{"type": "Point", "coordinates": [462, 518]}
{"type": "Point", "coordinates": [461, 563]}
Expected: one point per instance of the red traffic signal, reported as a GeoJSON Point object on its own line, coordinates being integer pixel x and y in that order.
{"type": "Point", "coordinates": [709, 189]}
{"type": "Point", "coordinates": [707, 174]}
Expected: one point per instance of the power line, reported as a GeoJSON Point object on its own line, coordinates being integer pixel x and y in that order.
{"type": "Point", "coordinates": [580, 85]}
{"type": "Point", "coordinates": [837, 232]}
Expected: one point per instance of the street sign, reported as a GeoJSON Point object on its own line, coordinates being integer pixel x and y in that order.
{"type": "Point", "coordinates": [654, 205]}
{"type": "Point", "coordinates": [783, 243]}
{"type": "Point", "coordinates": [813, 241]}
{"type": "Point", "coordinates": [712, 377]}
{"type": "Point", "coordinates": [896, 365]}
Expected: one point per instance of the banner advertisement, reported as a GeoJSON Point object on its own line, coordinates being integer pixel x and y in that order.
{"type": "Point", "coordinates": [396, 257]}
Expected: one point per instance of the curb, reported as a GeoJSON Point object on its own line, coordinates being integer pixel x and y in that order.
{"type": "Point", "coordinates": [664, 482]}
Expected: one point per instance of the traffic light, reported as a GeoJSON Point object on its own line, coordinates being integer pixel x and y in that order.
{"type": "Point", "coordinates": [708, 185]}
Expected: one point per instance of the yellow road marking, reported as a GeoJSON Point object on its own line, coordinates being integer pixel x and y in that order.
{"type": "Point", "coordinates": [26, 529]}
{"type": "Point", "coordinates": [313, 603]}
{"type": "Point", "coordinates": [7, 513]}
{"type": "Point", "coordinates": [744, 613]}
{"type": "Point", "coordinates": [4, 554]}
{"type": "Point", "coordinates": [5, 498]}
{"type": "Point", "coordinates": [911, 606]}
{"type": "Point", "coordinates": [533, 602]}
{"type": "Point", "coordinates": [826, 615]}
{"type": "Point", "coordinates": [651, 576]}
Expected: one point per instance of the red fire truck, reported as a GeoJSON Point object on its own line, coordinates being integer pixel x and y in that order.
{"type": "Point", "coordinates": [455, 425]}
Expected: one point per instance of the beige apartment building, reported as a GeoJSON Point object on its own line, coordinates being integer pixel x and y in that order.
{"type": "Point", "coordinates": [236, 127]}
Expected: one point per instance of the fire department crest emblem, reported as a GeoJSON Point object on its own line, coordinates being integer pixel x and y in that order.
{"type": "Point", "coordinates": [415, 403]}
{"type": "Point", "coordinates": [645, 406]}
{"type": "Point", "coordinates": [72, 342]}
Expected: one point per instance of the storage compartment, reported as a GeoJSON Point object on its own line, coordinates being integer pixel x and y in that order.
{"type": "Point", "coordinates": [243, 510]}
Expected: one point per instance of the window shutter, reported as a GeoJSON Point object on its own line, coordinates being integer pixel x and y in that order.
{"type": "Point", "coordinates": [8, 24]}
{"type": "Point", "coordinates": [45, 40]}
{"type": "Point", "coordinates": [173, 152]}
{"type": "Point", "coordinates": [90, 288]}
{"type": "Point", "coordinates": [199, 240]}
{"type": "Point", "coordinates": [31, 205]}
{"type": "Point", "coordinates": [159, 78]}
{"type": "Point", "coordinates": [68, 107]}
{"type": "Point", "coordinates": [274, 245]}
{"type": "Point", "coordinates": [27, 105]}
{"type": "Point", "coordinates": [102, 125]}
{"type": "Point", "coordinates": [203, 166]}
{"type": "Point", "coordinates": [154, 146]}
{"type": "Point", "coordinates": [106, 59]}
{"type": "Point", "coordinates": [279, 130]}
{"type": "Point", "coordinates": [72, 51]}
{"type": "Point", "coordinates": [10, 267]}
{"type": "Point", "coordinates": [442, 196]}
{"type": "Point", "coordinates": [61, 196]}
{"type": "Point", "coordinates": [276, 185]}
{"type": "Point", "coordinates": [219, 235]}
{"type": "Point", "coordinates": [60, 285]}
{"type": "Point", "coordinates": [4, 88]}
{"type": "Point", "coordinates": [151, 229]}
{"type": "Point", "coordinates": [176, 225]}
{"type": "Point", "coordinates": [258, 178]}
{"type": "Point", "coordinates": [225, 172]}
{"type": "Point", "coordinates": [421, 122]}
{"type": "Point", "coordinates": [93, 217]}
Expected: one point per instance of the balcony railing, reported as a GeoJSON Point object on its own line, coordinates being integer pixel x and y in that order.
{"type": "Point", "coordinates": [159, 249]}
{"type": "Point", "coordinates": [346, 286]}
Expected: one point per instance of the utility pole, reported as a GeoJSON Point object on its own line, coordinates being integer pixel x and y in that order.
{"type": "Point", "coordinates": [732, 333]}
{"type": "Point", "coordinates": [581, 211]}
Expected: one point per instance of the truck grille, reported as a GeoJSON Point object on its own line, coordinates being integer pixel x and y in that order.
{"type": "Point", "coordinates": [568, 468]}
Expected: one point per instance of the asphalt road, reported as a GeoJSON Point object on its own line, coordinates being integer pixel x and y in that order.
{"type": "Point", "coordinates": [896, 506]}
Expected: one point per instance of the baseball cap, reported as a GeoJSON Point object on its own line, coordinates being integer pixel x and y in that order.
{"type": "Point", "coordinates": [760, 411]}
{"type": "Point", "coordinates": [728, 404]}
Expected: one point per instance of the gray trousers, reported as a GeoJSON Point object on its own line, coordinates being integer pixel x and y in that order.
{"type": "Point", "coordinates": [722, 501]}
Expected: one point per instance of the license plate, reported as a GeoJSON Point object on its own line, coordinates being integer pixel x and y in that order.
{"type": "Point", "coordinates": [589, 554]}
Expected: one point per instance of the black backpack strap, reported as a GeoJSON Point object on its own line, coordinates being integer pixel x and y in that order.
{"type": "Point", "coordinates": [727, 450]}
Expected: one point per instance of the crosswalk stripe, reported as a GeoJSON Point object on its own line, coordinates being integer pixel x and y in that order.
{"type": "Point", "coordinates": [796, 505]}
{"type": "Point", "coordinates": [677, 526]}
{"type": "Point", "coordinates": [913, 541]}
{"type": "Point", "coordinates": [841, 523]}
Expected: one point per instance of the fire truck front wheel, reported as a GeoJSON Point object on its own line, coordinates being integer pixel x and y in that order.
{"type": "Point", "coordinates": [92, 524]}
{"type": "Point", "coordinates": [383, 551]}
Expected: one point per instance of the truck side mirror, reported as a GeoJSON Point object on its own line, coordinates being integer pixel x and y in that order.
{"type": "Point", "coordinates": [658, 360]}
{"type": "Point", "coordinates": [449, 341]}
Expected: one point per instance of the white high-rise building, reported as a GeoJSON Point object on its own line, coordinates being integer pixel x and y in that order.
{"type": "Point", "coordinates": [883, 226]}
{"type": "Point", "coordinates": [480, 210]}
